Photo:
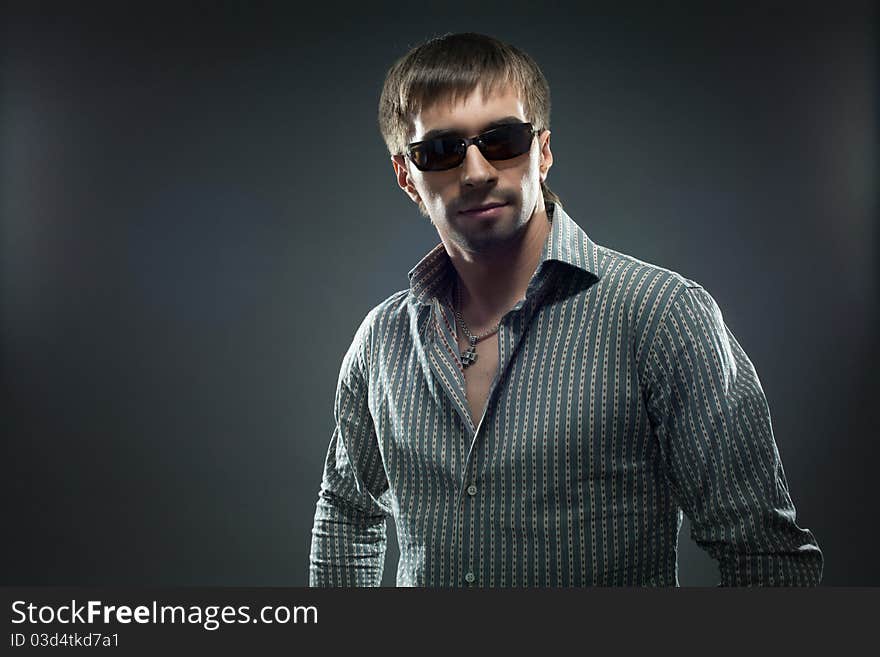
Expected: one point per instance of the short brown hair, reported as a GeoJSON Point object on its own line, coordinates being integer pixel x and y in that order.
{"type": "Point", "coordinates": [451, 67]}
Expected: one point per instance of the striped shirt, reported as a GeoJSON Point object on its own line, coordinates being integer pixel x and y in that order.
{"type": "Point", "coordinates": [621, 401]}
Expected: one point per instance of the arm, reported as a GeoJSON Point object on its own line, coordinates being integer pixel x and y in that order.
{"type": "Point", "coordinates": [711, 418]}
{"type": "Point", "coordinates": [349, 532]}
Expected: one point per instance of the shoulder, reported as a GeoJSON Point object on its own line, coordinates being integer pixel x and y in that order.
{"type": "Point", "coordinates": [650, 300]}
{"type": "Point", "coordinates": [388, 311]}
{"type": "Point", "coordinates": [612, 261]}
{"type": "Point", "coordinates": [656, 285]}
{"type": "Point", "coordinates": [646, 289]}
{"type": "Point", "coordinates": [385, 315]}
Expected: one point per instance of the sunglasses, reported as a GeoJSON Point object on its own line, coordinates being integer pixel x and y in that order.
{"type": "Point", "coordinates": [501, 143]}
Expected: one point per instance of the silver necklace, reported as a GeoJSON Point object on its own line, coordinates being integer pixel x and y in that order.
{"type": "Point", "coordinates": [469, 357]}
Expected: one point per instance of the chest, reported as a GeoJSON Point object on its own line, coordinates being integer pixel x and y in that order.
{"type": "Point", "coordinates": [480, 374]}
{"type": "Point", "coordinates": [567, 388]}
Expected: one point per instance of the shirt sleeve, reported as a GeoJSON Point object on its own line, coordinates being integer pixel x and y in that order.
{"type": "Point", "coordinates": [712, 421]}
{"type": "Point", "coordinates": [349, 531]}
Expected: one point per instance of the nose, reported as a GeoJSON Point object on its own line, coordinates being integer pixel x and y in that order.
{"type": "Point", "coordinates": [476, 170]}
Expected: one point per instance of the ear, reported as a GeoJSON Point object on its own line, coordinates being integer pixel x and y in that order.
{"type": "Point", "coordinates": [546, 154]}
{"type": "Point", "coordinates": [403, 178]}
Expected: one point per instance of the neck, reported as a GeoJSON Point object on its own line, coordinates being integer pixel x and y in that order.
{"type": "Point", "coordinates": [493, 282]}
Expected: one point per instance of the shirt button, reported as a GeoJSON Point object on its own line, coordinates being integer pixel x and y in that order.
{"type": "Point", "coordinates": [469, 578]}
{"type": "Point", "coordinates": [472, 490]}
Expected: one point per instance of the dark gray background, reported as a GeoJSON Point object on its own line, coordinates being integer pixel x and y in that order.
{"type": "Point", "coordinates": [198, 210]}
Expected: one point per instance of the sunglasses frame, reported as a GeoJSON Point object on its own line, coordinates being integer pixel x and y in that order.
{"type": "Point", "coordinates": [477, 141]}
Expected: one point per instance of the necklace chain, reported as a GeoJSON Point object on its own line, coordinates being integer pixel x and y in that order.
{"type": "Point", "coordinates": [469, 356]}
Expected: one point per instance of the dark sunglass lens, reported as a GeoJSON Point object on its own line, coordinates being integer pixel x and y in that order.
{"type": "Point", "coordinates": [507, 142]}
{"type": "Point", "coordinates": [437, 154]}
{"type": "Point", "coordinates": [419, 156]}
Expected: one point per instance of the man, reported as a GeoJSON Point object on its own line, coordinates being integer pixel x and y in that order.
{"type": "Point", "coordinates": [536, 409]}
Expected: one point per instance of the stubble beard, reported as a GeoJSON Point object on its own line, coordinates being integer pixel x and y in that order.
{"type": "Point", "coordinates": [496, 238]}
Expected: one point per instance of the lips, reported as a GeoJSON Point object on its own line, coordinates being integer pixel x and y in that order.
{"type": "Point", "coordinates": [482, 208]}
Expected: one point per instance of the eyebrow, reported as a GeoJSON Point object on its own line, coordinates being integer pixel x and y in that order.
{"type": "Point", "coordinates": [443, 132]}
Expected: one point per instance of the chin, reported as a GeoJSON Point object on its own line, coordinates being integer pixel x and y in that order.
{"type": "Point", "coordinates": [492, 237]}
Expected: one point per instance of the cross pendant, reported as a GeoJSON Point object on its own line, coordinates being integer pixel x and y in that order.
{"type": "Point", "coordinates": [469, 357]}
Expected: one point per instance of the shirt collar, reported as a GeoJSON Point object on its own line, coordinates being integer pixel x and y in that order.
{"type": "Point", "coordinates": [566, 243]}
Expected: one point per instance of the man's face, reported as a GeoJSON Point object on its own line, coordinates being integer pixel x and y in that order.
{"type": "Point", "coordinates": [449, 196]}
